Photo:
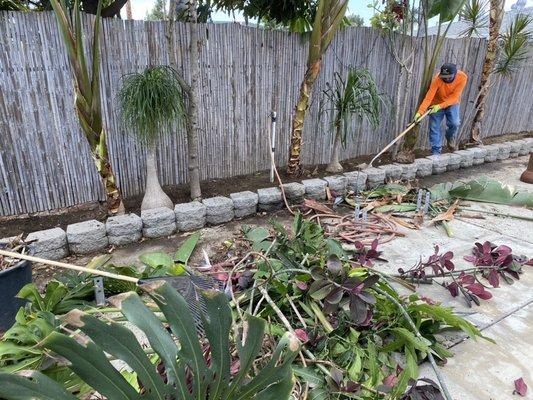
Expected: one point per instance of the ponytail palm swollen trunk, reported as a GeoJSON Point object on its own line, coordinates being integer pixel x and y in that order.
{"type": "Point", "coordinates": [356, 96]}
{"type": "Point", "coordinates": [150, 103]}
{"type": "Point", "coordinates": [329, 15]}
{"type": "Point", "coordinates": [87, 95]}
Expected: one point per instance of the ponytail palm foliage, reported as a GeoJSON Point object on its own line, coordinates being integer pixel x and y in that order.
{"type": "Point", "coordinates": [150, 102]}
{"type": "Point", "coordinates": [357, 97]}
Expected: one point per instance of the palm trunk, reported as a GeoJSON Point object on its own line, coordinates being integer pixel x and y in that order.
{"type": "Point", "coordinates": [294, 165]}
{"type": "Point", "coordinates": [154, 197]}
{"type": "Point", "coordinates": [192, 120]}
{"type": "Point", "coordinates": [334, 165]}
{"type": "Point", "coordinates": [103, 166]}
{"type": "Point", "coordinates": [496, 16]}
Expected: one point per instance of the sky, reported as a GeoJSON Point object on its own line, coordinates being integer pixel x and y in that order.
{"type": "Point", "coordinates": [141, 7]}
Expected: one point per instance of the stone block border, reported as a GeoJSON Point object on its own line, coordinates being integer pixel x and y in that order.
{"type": "Point", "coordinates": [91, 236]}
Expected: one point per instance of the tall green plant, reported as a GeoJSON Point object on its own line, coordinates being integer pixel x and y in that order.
{"type": "Point", "coordinates": [150, 102]}
{"type": "Point", "coordinates": [188, 374]}
{"type": "Point", "coordinates": [87, 94]}
{"type": "Point", "coordinates": [357, 97]}
{"type": "Point", "coordinates": [328, 17]}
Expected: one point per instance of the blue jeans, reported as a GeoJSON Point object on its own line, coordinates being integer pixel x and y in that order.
{"type": "Point", "coordinates": [452, 126]}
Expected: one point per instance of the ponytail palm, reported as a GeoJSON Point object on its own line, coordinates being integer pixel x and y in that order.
{"type": "Point", "coordinates": [358, 97]}
{"type": "Point", "coordinates": [150, 103]}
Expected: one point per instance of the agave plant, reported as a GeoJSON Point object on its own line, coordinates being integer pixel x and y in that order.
{"type": "Point", "coordinates": [150, 102]}
{"type": "Point", "coordinates": [357, 96]}
{"type": "Point", "coordinates": [193, 370]}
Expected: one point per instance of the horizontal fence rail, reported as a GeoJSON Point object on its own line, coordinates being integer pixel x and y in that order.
{"type": "Point", "coordinates": [245, 73]}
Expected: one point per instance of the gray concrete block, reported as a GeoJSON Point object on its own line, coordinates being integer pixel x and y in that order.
{"type": "Point", "coordinates": [157, 217]}
{"type": "Point", "coordinates": [524, 147]}
{"type": "Point", "coordinates": [121, 240]}
{"type": "Point", "coordinates": [315, 188]}
{"type": "Point", "coordinates": [454, 162]}
{"type": "Point", "coordinates": [123, 225]}
{"type": "Point", "coordinates": [269, 195]}
{"type": "Point", "coordinates": [88, 246]}
{"type": "Point", "coordinates": [218, 210]}
{"type": "Point", "coordinates": [515, 148]}
{"type": "Point", "coordinates": [269, 199]}
{"type": "Point", "coordinates": [245, 212]}
{"type": "Point", "coordinates": [48, 240]}
{"type": "Point", "coordinates": [375, 177]}
{"type": "Point", "coordinates": [440, 163]}
{"type": "Point", "coordinates": [467, 158]}
{"type": "Point", "coordinates": [245, 199]}
{"type": "Point", "coordinates": [83, 232]}
{"type": "Point", "coordinates": [479, 155]}
{"type": "Point", "coordinates": [529, 143]}
{"type": "Point", "coordinates": [294, 191]}
{"type": "Point", "coordinates": [159, 231]}
{"type": "Point", "coordinates": [392, 171]}
{"type": "Point", "coordinates": [337, 183]}
{"type": "Point", "coordinates": [492, 153]}
{"type": "Point", "coordinates": [424, 167]}
{"type": "Point", "coordinates": [53, 254]}
{"type": "Point", "coordinates": [408, 171]}
{"type": "Point", "coordinates": [356, 180]}
{"type": "Point", "coordinates": [504, 151]}
{"type": "Point", "coordinates": [190, 216]}
{"type": "Point", "coordinates": [244, 203]}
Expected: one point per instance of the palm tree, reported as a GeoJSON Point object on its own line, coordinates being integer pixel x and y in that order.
{"type": "Point", "coordinates": [328, 17]}
{"type": "Point", "coordinates": [87, 95]}
{"type": "Point", "coordinates": [356, 96]}
{"type": "Point", "coordinates": [150, 102]}
{"type": "Point", "coordinates": [495, 22]}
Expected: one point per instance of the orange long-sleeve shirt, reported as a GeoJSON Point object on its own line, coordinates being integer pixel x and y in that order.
{"type": "Point", "coordinates": [442, 93]}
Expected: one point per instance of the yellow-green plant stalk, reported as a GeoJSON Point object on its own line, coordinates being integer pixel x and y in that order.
{"type": "Point", "coordinates": [329, 15]}
{"type": "Point", "coordinates": [87, 95]}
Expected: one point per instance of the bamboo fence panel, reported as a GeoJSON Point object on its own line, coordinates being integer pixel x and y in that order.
{"type": "Point", "coordinates": [245, 73]}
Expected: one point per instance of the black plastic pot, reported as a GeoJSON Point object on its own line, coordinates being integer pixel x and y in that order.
{"type": "Point", "coordinates": [11, 281]}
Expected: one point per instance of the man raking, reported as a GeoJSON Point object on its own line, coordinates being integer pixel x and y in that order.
{"type": "Point", "coordinates": [443, 98]}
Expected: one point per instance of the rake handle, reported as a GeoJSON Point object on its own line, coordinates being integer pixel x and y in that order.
{"type": "Point", "coordinates": [409, 127]}
{"type": "Point", "coordinates": [68, 266]}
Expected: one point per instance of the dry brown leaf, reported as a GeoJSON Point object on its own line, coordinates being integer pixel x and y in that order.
{"type": "Point", "coordinates": [418, 219]}
{"type": "Point", "coordinates": [376, 203]}
{"type": "Point", "coordinates": [403, 223]}
{"type": "Point", "coordinates": [316, 206]}
{"type": "Point", "coordinates": [448, 215]}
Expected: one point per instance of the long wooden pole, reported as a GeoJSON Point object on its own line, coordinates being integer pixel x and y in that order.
{"type": "Point", "coordinates": [68, 266]}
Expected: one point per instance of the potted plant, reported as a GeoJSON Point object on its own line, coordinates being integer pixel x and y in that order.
{"type": "Point", "coordinates": [150, 102]}
{"type": "Point", "coordinates": [14, 274]}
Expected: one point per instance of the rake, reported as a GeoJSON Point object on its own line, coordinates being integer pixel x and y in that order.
{"type": "Point", "coordinates": [187, 285]}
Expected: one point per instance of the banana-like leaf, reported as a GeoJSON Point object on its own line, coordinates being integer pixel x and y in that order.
{"type": "Point", "coordinates": [38, 386]}
{"type": "Point", "coordinates": [91, 364]}
{"type": "Point", "coordinates": [121, 343]}
{"type": "Point", "coordinates": [186, 249]}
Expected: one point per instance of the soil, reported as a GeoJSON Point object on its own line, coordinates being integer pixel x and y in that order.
{"type": "Point", "coordinates": [26, 223]}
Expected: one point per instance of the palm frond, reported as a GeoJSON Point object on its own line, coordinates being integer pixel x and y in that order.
{"type": "Point", "coordinates": [356, 96]}
{"type": "Point", "coordinates": [475, 13]}
{"type": "Point", "coordinates": [151, 101]}
{"type": "Point", "coordinates": [515, 45]}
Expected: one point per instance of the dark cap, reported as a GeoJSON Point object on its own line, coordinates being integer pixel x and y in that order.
{"type": "Point", "coordinates": [448, 70]}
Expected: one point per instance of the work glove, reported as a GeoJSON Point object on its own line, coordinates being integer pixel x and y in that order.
{"type": "Point", "coordinates": [417, 117]}
{"type": "Point", "coordinates": [434, 109]}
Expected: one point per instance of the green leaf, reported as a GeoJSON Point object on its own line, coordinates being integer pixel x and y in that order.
{"type": "Point", "coordinates": [354, 370]}
{"type": "Point", "coordinates": [38, 386]}
{"type": "Point", "coordinates": [257, 234]}
{"type": "Point", "coordinates": [489, 190]}
{"type": "Point", "coordinates": [217, 329]}
{"type": "Point", "coordinates": [404, 207]}
{"type": "Point", "coordinates": [91, 364]}
{"type": "Point", "coordinates": [121, 343]}
{"type": "Point", "coordinates": [320, 393]}
{"type": "Point", "coordinates": [178, 315]}
{"type": "Point", "coordinates": [160, 340]}
{"type": "Point", "coordinates": [320, 289]}
{"type": "Point", "coordinates": [445, 9]}
{"type": "Point", "coordinates": [157, 260]}
{"type": "Point", "coordinates": [185, 251]}
{"type": "Point", "coordinates": [421, 344]}
{"type": "Point", "coordinates": [309, 375]}
{"type": "Point", "coordinates": [280, 390]}
{"type": "Point", "coordinates": [373, 367]}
